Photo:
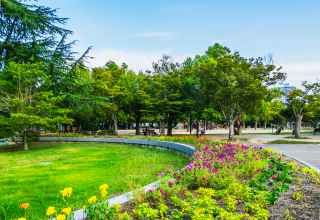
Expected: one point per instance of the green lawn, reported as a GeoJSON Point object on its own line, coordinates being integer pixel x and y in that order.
{"type": "Point", "coordinates": [280, 141]}
{"type": "Point", "coordinates": [82, 166]}
{"type": "Point", "coordinates": [298, 138]}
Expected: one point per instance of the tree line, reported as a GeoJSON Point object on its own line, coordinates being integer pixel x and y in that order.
{"type": "Point", "coordinates": [44, 83]}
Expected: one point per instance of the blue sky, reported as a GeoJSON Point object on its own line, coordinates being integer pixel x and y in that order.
{"type": "Point", "coordinates": [139, 32]}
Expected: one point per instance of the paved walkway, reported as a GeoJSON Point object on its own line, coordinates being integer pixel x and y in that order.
{"type": "Point", "coordinates": [306, 152]}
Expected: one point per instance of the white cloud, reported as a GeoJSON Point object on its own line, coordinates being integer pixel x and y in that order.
{"type": "Point", "coordinates": [155, 34]}
{"type": "Point", "coordinates": [301, 71]}
{"type": "Point", "coordinates": [135, 59]}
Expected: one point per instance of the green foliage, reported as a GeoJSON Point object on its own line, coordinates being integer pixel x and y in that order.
{"type": "Point", "coordinates": [299, 196]}
{"type": "Point", "coordinates": [236, 84]}
{"type": "Point", "coordinates": [106, 132]}
{"type": "Point", "coordinates": [26, 100]}
{"type": "Point", "coordinates": [142, 211]}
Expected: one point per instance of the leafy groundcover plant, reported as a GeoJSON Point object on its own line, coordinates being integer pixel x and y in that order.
{"type": "Point", "coordinates": [222, 181]}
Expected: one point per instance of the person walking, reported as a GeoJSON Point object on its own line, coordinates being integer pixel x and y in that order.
{"type": "Point", "coordinates": [154, 131]}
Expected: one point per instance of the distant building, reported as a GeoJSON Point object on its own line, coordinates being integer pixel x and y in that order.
{"type": "Point", "coordinates": [286, 89]}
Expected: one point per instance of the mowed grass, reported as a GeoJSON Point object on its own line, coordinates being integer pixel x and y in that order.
{"type": "Point", "coordinates": [82, 166]}
{"type": "Point", "coordinates": [280, 141]}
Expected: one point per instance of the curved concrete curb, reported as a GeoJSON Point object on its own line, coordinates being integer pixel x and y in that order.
{"type": "Point", "coordinates": [187, 149]}
{"type": "Point", "coordinates": [79, 214]}
{"type": "Point", "coordinates": [297, 159]}
{"type": "Point", "coordinates": [165, 144]}
{"type": "Point", "coordinates": [303, 162]}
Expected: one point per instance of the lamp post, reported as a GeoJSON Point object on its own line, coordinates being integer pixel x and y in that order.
{"type": "Point", "coordinates": [197, 88]}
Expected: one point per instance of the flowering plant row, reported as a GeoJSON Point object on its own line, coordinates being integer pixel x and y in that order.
{"type": "Point", "coordinates": [222, 181]}
{"type": "Point", "coordinates": [182, 139]}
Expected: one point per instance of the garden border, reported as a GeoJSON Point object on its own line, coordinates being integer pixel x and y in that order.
{"type": "Point", "coordinates": [187, 149]}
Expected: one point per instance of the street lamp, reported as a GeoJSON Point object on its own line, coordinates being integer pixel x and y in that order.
{"type": "Point", "coordinates": [197, 87]}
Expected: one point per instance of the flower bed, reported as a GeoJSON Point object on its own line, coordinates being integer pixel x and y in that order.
{"type": "Point", "coordinates": [193, 140]}
{"type": "Point", "coordinates": [222, 181]}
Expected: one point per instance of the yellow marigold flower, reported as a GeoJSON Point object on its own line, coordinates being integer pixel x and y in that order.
{"type": "Point", "coordinates": [66, 192]}
{"type": "Point", "coordinates": [92, 199]}
{"type": "Point", "coordinates": [61, 217]}
{"type": "Point", "coordinates": [103, 187]}
{"type": "Point", "coordinates": [84, 208]}
{"type": "Point", "coordinates": [51, 210]}
{"type": "Point", "coordinates": [22, 219]}
{"type": "Point", "coordinates": [66, 210]}
{"type": "Point", "coordinates": [24, 205]}
{"type": "Point", "coordinates": [104, 193]}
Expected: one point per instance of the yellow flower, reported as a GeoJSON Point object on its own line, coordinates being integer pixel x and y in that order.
{"type": "Point", "coordinates": [103, 187]}
{"type": "Point", "coordinates": [104, 193]}
{"type": "Point", "coordinates": [22, 219]}
{"type": "Point", "coordinates": [92, 199]}
{"type": "Point", "coordinates": [66, 210]}
{"type": "Point", "coordinates": [84, 208]}
{"type": "Point", "coordinates": [61, 217]}
{"type": "Point", "coordinates": [51, 210]}
{"type": "Point", "coordinates": [66, 192]}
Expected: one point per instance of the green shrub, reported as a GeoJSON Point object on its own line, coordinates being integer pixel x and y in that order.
{"type": "Point", "coordinates": [106, 132]}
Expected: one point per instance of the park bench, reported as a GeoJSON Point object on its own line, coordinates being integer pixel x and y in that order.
{"type": "Point", "coordinates": [151, 132]}
{"type": "Point", "coordinates": [316, 130]}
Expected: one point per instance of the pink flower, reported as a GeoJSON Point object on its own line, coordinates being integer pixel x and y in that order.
{"type": "Point", "coordinates": [161, 191]}
{"type": "Point", "coordinates": [203, 178]}
{"type": "Point", "coordinates": [178, 177]}
{"type": "Point", "coordinates": [170, 184]}
{"type": "Point", "coordinates": [150, 190]}
{"type": "Point", "coordinates": [274, 177]}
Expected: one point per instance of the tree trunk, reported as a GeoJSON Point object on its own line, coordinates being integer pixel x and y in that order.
{"type": "Point", "coordinates": [231, 132]}
{"type": "Point", "coordinates": [115, 123]}
{"type": "Point", "coordinates": [297, 126]}
{"type": "Point", "coordinates": [265, 125]}
{"type": "Point", "coordinates": [188, 127]}
{"type": "Point", "coordinates": [204, 125]}
{"type": "Point", "coordinates": [162, 124]}
{"type": "Point", "coordinates": [24, 140]}
{"type": "Point", "coordinates": [255, 124]}
{"type": "Point", "coordinates": [169, 131]}
{"type": "Point", "coordinates": [138, 125]}
{"type": "Point", "coordinates": [315, 124]}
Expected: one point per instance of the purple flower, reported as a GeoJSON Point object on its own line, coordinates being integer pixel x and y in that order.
{"type": "Point", "coordinates": [168, 172]}
{"type": "Point", "coordinates": [174, 174]}
{"type": "Point", "coordinates": [150, 190]}
{"type": "Point", "coordinates": [178, 177]}
{"type": "Point", "coordinates": [157, 174]}
{"type": "Point", "coordinates": [258, 170]}
{"type": "Point", "coordinates": [162, 173]}
{"type": "Point", "coordinates": [170, 184]}
{"type": "Point", "coordinates": [182, 173]}
{"type": "Point", "coordinates": [161, 191]}
{"type": "Point", "coordinates": [203, 178]}
{"type": "Point", "coordinates": [222, 176]}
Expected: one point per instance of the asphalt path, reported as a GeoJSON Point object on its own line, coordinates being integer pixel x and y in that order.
{"type": "Point", "coordinates": [307, 152]}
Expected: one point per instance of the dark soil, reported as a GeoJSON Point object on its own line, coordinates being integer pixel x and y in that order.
{"type": "Point", "coordinates": [286, 207]}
